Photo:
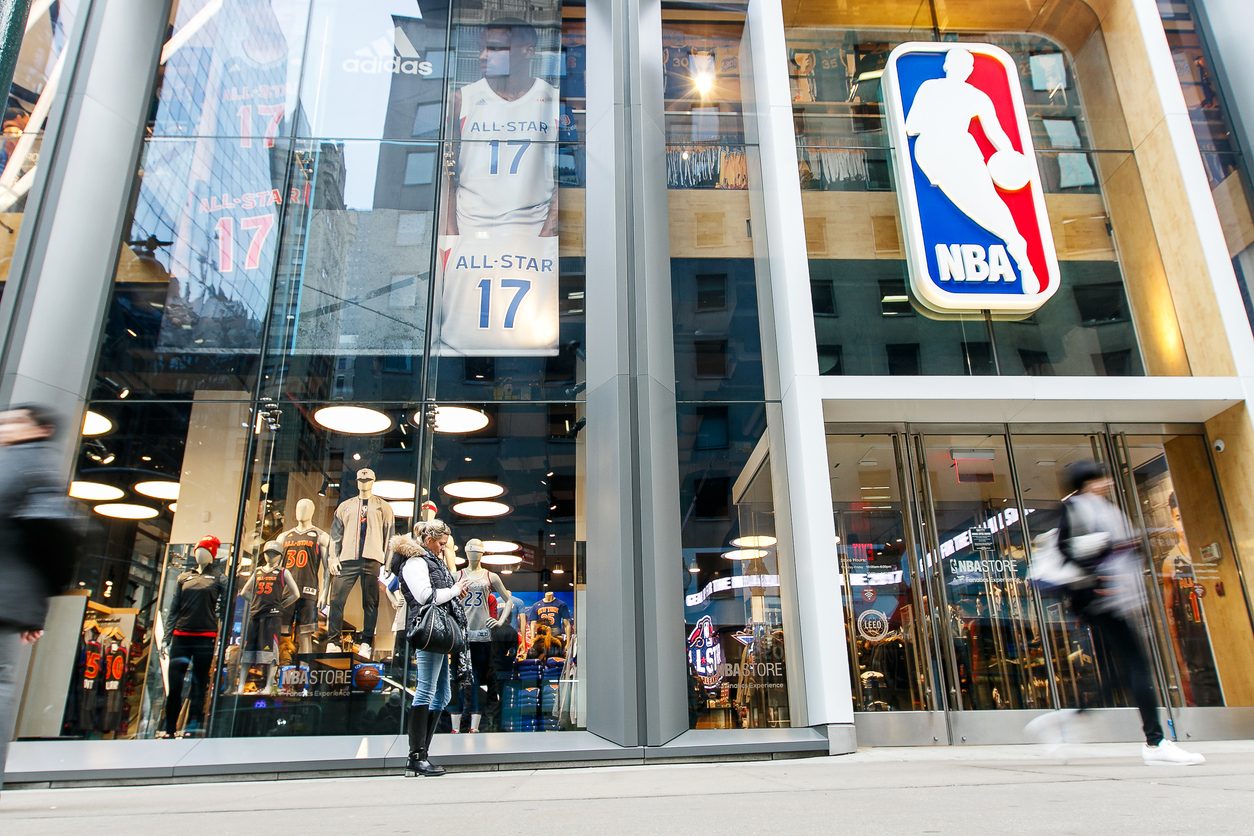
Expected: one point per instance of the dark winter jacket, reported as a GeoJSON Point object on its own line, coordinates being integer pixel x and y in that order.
{"type": "Point", "coordinates": [25, 469]}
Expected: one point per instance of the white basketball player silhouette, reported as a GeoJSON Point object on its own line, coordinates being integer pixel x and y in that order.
{"type": "Point", "coordinates": [953, 162]}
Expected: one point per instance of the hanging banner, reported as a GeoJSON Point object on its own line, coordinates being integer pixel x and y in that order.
{"type": "Point", "coordinates": [498, 253]}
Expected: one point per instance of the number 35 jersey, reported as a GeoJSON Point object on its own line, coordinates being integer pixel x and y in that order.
{"type": "Point", "coordinates": [506, 162]}
{"type": "Point", "coordinates": [499, 296]}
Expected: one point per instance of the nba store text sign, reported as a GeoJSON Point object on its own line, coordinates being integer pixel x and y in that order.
{"type": "Point", "coordinates": [972, 207]}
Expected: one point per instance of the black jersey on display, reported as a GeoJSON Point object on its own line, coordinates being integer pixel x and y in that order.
{"type": "Point", "coordinates": [302, 556]}
{"type": "Point", "coordinates": [195, 610]}
{"type": "Point", "coordinates": [267, 592]}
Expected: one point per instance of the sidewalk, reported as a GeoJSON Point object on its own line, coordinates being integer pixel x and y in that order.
{"type": "Point", "coordinates": [972, 790]}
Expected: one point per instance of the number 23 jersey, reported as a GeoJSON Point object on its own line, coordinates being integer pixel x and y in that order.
{"type": "Point", "coordinates": [506, 162]}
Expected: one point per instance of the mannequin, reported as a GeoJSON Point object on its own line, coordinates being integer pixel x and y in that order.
{"type": "Point", "coordinates": [479, 626]}
{"type": "Point", "coordinates": [360, 533]}
{"type": "Point", "coordinates": [555, 614]}
{"type": "Point", "coordinates": [191, 630]}
{"type": "Point", "coordinates": [308, 554]}
{"type": "Point", "coordinates": [428, 513]}
{"type": "Point", "coordinates": [269, 592]}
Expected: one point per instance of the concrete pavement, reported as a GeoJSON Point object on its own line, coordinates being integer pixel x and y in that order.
{"type": "Point", "coordinates": [1096, 788]}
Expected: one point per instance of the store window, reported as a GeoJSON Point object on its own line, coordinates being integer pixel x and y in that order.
{"type": "Point", "coordinates": [43, 67]}
{"type": "Point", "coordinates": [849, 197]}
{"type": "Point", "coordinates": [349, 297]}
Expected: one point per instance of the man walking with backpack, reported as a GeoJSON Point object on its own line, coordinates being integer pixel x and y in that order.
{"type": "Point", "coordinates": [1095, 536]}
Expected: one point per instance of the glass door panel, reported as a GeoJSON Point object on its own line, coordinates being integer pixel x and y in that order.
{"type": "Point", "coordinates": [1202, 617]}
{"type": "Point", "coordinates": [890, 643]}
{"type": "Point", "coordinates": [1040, 461]}
{"type": "Point", "coordinates": [976, 543]}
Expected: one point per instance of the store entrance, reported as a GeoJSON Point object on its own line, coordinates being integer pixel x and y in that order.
{"type": "Point", "coordinates": [949, 643]}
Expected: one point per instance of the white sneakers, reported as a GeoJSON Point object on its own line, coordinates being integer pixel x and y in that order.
{"type": "Point", "coordinates": [365, 651]}
{"type": "Point", "coordinates": [1167, 753]}
{"type": "Point", "coordinates": [332, 647]}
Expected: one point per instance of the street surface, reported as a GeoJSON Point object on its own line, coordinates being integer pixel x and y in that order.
{"type": "Point", "coordinates": [1098, 788]}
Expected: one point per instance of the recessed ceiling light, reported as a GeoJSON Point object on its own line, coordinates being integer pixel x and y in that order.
{"type": "Point", "coordinates": [499, 546]}
{"type": "Point", "coordinates": [481, 508]}
{"type": "Point", "coordinates": [403, 508]}
{"type": "Point", "coordinates": [458, 419]}
{"type": "Point", "coordinates": [158, 489]}
{"type": "Point", "coordinates": [394, 489]}
{"type": "Point", "coordinates": [95, 491]}
{"type": "Point", "coordinates": [500, 560]}
{"type": "Point", "coordinates": [125, 511]}
{"type": "Point", "coordinates": [744, 554]}
{"type": "Point", "coordinates": [472, 489]}
{"type": "Point", "coordinates": [757, 541]}
{"type": "Point", "coordinates": [174, 507]}
{"type": "Point", "coordinates": [352, 420]}
{"type": "Point", "coordinates": [95, 424]}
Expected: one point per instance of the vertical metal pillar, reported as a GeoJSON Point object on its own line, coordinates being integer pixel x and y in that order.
{"type": "Point", "coordinates": [635, 671]}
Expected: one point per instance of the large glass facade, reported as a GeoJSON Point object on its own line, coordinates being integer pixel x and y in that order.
{"type": "Point", "coordinates": [351, 289]}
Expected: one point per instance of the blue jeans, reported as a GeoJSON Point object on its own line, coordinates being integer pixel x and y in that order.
{"type": "Point", "coordinates": [433, 689]}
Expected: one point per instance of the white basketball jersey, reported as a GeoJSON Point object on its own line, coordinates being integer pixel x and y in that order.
{"type": "Point", "coordinates": [499, 295]}
{"type": "Point", "coordinates": [507, 159]}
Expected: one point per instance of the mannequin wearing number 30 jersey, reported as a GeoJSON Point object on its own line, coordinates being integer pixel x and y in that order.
{"type": "Point", "coordinates": [308, 553]}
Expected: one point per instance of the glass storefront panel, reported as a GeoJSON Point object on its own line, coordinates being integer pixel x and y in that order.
{"type": "Point", "coordinates": [39, 74]}
{"type": "Point", "coordinates": [1079, 665]}
{"type": "Point", "coordinates": [885, 598]}
{"type": "Point", "coordinates": [1202, 617]}
{"type": "Point", "coordinates": [976, 548]}
{"type": "Point", "coordinates": [733, 610]}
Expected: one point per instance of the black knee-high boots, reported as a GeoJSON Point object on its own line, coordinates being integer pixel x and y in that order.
{"type": "Point", "coordinates": [422, 723]}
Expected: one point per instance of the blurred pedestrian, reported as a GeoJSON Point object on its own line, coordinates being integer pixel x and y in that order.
{"type": "Point", "coordinates": [1095, 536]}
{"type": "Point", "coordinates": [33, 566]}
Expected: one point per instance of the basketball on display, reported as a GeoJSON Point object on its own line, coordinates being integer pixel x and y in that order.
{"type": "Point", "coordinates": [1010, 170]}
{"type": "Point", "coordinates": [366, 678]}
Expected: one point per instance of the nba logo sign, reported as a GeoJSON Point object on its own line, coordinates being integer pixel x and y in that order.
{"type": "Point", "coordinates": [972, 207]}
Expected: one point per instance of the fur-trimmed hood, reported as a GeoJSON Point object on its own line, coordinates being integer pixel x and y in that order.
{"type": "Point", "coordinates": [406, 546]}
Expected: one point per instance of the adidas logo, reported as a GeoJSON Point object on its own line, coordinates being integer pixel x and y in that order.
{"type": "Point", "coordinates": [395, 56]}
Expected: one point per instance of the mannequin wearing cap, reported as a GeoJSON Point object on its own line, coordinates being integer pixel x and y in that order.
{"type": "Point", "coordinates": [362, 528]}
{"type": "Point", "coordinates": [191, 631]}
{"type": "Point", "coordinates": [308, 553]}
{"type": "Point", "coordinates": [269, 592]}
{"type": "Point", "coordinates": [480, 582]}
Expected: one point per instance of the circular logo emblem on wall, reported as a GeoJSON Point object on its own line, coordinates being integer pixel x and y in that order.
{"type": "Point", "coordinates": [873, 625]}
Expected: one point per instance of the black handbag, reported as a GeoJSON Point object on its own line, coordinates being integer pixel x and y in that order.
{"type": "Point", "coordinates": [435, 630]}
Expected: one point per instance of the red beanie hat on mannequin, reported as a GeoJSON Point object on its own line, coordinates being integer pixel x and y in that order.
{"type": "Point", "coordinates": [210, 543]}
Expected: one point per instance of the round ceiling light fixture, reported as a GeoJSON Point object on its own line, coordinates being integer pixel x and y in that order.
{"type": "Point", "coordinates": [499, 546]}
{"type": "Point", "coordinates": [403, 508]}
{"type": "Point", "coordinates": [754, 541]}
{"type": "Point", "coordinates": [473, 489]}
{"type": "Point", "coordinates": [395, 489]}
{"type": "Point", "coordinates": [174, 507]}
{"type": "Point", "coordinates": [352, 420]}
{"type": "Point", "coordinates": [744, 554]}
{"type": "Point", "coordinates": [158, 489]}
{"type": "Point", "coordinates": [95, 424]}
{"type": "Point", "coordinates": [481, 508]}
{"type": "Point", "coordinates": [95, 491]}
{"type": "Point", "coordinates": [125, 511]}
{"type": "Point", "coordinates": [500, 560]}
{"type": "Point", "coordinates": [459, 419]}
